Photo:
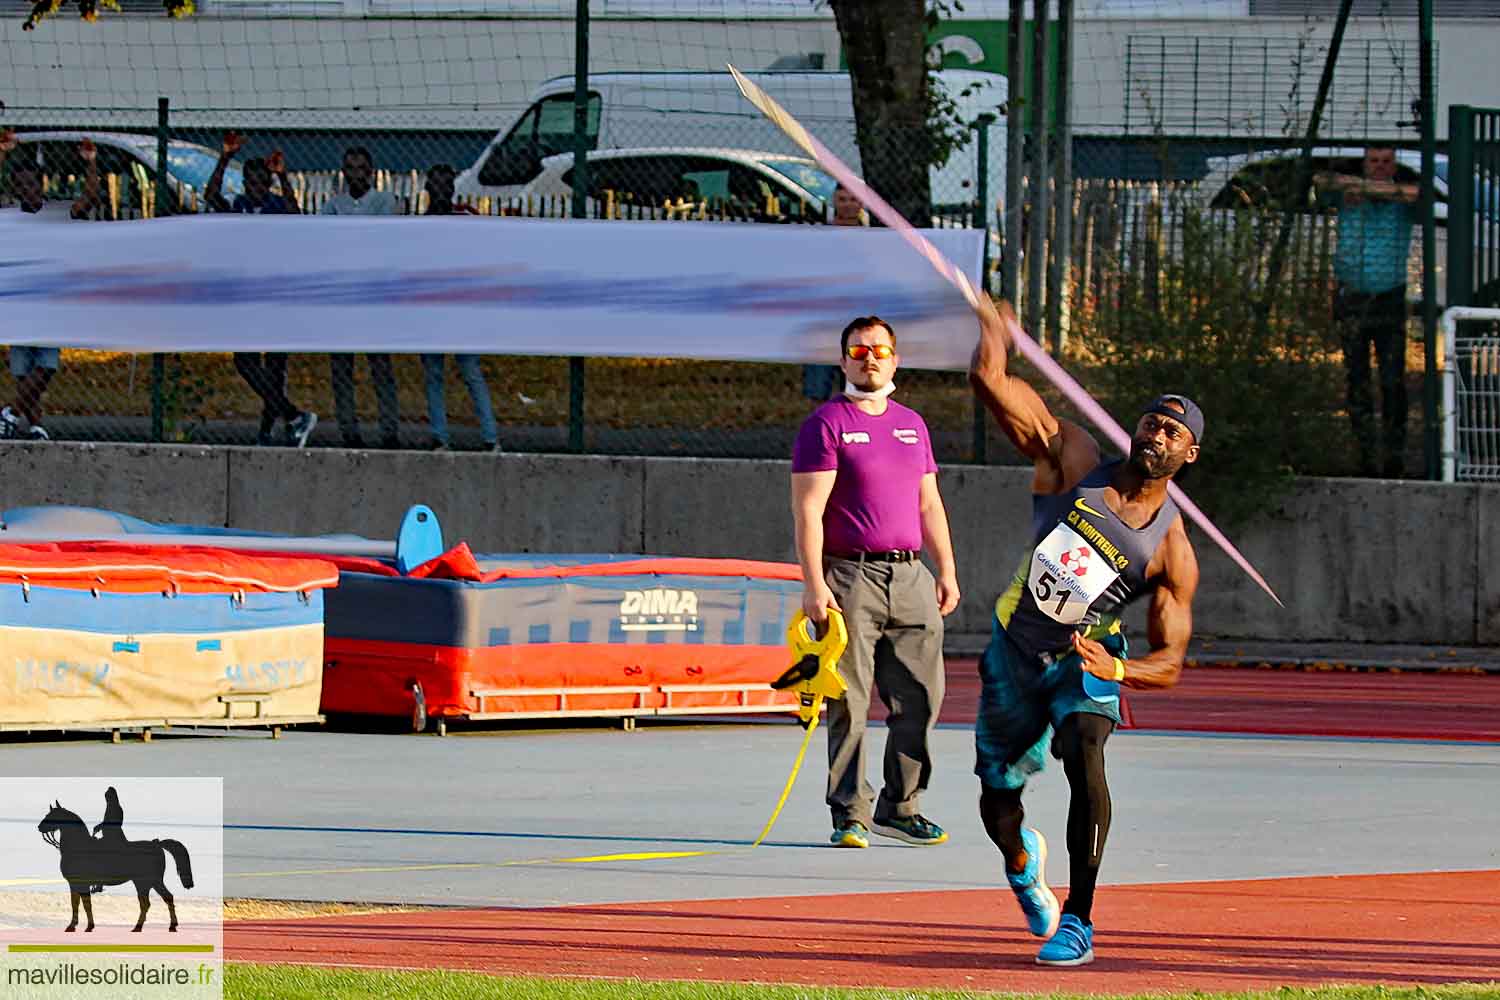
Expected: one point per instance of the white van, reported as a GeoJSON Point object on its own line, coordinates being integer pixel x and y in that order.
{"type": "Point", "coordinates": [631, 110]}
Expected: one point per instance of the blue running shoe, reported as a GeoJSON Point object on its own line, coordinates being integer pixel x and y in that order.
{"type": "Point", "coordinates": [1030, 887]}
{"type": "Point", "coordinates": [850, 834]}
{"type": "Point", "coordinates": [1073, 944]}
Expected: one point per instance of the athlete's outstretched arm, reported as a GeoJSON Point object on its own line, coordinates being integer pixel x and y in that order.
{"type": "Point", "coordinates": [1169, 621]}
{"type": "Point", "coordinates": [1062, 451]}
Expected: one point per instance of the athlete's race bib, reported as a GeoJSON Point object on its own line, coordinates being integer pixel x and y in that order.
{"type": "Point", "coordinates": [1068, 575]}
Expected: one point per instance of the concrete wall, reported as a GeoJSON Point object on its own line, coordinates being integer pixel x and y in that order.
{"type": "Point", "coordinates": [1354, 560]}
{"type": "Point", "coordinates": [1486, 546]}
{"type": "Point", "coordinates": [518, 503]}
{"type": "Point", "coordinates": [162, 483]}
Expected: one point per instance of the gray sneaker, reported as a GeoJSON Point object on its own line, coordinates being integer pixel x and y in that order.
{"type": "Point", "coordinates": [917, 830]}
{"type": "Point", "coordinates": [10, 427]}
{"type": "Point", "coordinates": [38, 433]}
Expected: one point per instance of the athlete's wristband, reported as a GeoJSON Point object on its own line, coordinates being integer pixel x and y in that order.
{"type": "Point", "coordinates": [1119, 670]}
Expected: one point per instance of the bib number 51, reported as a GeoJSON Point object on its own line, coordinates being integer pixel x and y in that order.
{"type": "Point", "coordinates": [1044, 592]}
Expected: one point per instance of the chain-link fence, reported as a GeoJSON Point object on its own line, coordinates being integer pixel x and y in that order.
{"type": "Point", "coordinates": [1181, 143]}
{"type": "Point", "coordinates": [1141, 249]}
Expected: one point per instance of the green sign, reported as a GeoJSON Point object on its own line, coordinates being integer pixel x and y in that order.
{"type": "Point", "coordinates": [980, 45]}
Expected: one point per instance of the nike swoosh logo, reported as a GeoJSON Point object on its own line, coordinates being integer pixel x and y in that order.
{"type": "Point", "coordinates": [1083, 506]}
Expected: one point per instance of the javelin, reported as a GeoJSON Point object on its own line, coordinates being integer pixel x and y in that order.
{"type": "Point", "coordinates": [1030, 350]}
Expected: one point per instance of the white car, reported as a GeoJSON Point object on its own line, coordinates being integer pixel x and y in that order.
{"type": "Point", "coordinates": [1263, 178]}
{"type": "Point", "coordinates": [735, 183]}
{"type": "Point", "coordinates": [628, 110]}
{"type": "Point", "coordinates": [132, 157]}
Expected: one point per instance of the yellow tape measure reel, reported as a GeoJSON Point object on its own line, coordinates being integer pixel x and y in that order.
{"type": "Point", "coordinates": [814, 673]}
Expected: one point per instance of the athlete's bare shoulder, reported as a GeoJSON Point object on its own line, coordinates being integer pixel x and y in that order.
{"type": "Point", "coordinates": [1175, 563]}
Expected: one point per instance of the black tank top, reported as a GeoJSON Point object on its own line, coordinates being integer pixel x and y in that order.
{"type": "Point", "coordinates": [1084, 566]}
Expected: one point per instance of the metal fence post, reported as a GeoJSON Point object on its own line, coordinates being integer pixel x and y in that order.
{"type": "Point", "coordinates": [1015, 138]}
{"type": "Point", "coordinates": [580, 197]}
{"type": "Point", "coordinates": [982, 218]}
{"type": "Point", "coordinates": [1059, 274]}
{"type": "Point", "coordinates": [1038, 226]}
{"type": "Point", "coordinates": [982, 205]}
{"type": "Point", "coordinates": [1460, 205]}
{"type": "Point", "coordinates": [1428, 86]}
{"type": "Point", "coordinates": [159, 361]}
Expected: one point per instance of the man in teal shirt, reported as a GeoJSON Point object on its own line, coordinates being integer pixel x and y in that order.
{"type": "Point", "coordinates": [1376, 216]}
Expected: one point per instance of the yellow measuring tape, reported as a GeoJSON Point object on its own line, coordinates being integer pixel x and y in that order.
{"type": "Point", "coordinates": [814, 675]}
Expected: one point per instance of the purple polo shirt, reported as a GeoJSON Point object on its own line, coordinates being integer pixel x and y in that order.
{"type": "Point", "coordinates": [876, 503]}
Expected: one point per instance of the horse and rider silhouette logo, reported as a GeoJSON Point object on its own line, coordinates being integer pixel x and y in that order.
{"type": "Point", "coordinates": [91, 861]}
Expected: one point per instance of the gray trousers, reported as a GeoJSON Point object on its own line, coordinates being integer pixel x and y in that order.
{"type": "Point", "coordinates": [896, 649]}
{"type": "Point", "coordinates": [341, 372]}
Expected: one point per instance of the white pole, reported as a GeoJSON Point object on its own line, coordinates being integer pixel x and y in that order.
{"type": "Point", "coordinates": [347, 546]}
{"type": "Point", "coordinates": [1449, 417]}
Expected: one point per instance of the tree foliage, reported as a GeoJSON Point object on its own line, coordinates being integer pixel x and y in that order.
{"type": "Point", "coordinates": [1184, 319]}
{"type": "Point", "coordinates": [88, 10]}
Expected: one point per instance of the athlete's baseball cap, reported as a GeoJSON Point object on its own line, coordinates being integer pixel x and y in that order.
{"type": "Point", "coordinates": [1180, 409]}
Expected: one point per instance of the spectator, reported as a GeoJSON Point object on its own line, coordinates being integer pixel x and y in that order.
{"type": "Point", "coordinates": [359, 197]}
{"type": "Point", "coordinates": [1369, 306]}
{"type": "Point", "coordinates": [264, 373]}
{"type": "Point", "coordinates": [847, 211]}
{"type": "Point", "coordinates": [34, 367]}
{"type": "Point", "coordinates": [439, 187]}
{"type": "Point", "coordinates": [820, 383]}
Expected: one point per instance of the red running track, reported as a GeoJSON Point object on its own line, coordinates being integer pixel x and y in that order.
{"type": "Point", "coordinates": [1436, 706]}
{"type": "Point", "coordinates": [1394, 929]}
{"type": "Point", "coordinates": [1416, 929]}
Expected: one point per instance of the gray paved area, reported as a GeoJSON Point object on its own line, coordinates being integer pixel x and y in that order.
{"type": "Point", "coordinates": [369, 817]}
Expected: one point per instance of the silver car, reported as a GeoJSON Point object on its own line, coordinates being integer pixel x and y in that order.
{"type": "Point", "coordinates": [724, 183]}
{"type": "Point", "coordinates": [131, 157]}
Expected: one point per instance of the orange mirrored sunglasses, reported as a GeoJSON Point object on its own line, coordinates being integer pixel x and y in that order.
{"type": "Point", "coordinates": [861, 351]}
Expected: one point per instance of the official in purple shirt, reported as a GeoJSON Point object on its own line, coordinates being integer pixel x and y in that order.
{"type": "Point", "coordinates": [866, 504]}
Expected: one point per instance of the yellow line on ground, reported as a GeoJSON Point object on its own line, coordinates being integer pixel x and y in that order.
{"type": "Point", "coordinates": [457, 865]}
{"type": "Point", "coordinates": [644, 856]}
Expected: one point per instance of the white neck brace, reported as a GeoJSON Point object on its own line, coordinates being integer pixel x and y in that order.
{"type": "Point", "coordinates": [854, 392]}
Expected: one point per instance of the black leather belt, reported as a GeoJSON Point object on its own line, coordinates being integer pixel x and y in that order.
{"type": "Point", "coordinates": [893, 556]}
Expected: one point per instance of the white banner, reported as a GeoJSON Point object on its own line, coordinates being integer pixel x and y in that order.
{"type": "Point", "coordinates": [480, 286]}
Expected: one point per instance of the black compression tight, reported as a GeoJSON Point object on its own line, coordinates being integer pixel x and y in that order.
{"type": "Point", "coordinates": [1000, 811]}
{"type": "Point", "coordinates": [1080, 742]}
